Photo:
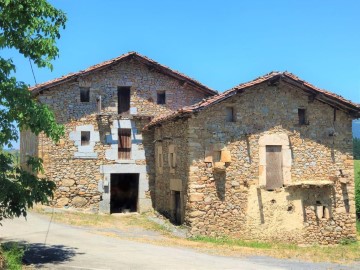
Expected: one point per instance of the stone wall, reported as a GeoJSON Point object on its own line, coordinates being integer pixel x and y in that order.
{"type": "Point", "coordinates": [171, 138]}
{"type": "Point", "coordinates": [82, 172]}
{"type": "Point", "coordinates": [228, 198]}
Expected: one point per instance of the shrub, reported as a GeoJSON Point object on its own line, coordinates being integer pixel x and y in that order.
{"type": "Point", "coordinates": [12, 255]}
{"type": "Point", "coordinates": [357, 188]}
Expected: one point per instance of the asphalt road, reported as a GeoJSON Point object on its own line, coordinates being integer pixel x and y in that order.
{"type": "Point", "coordinates": [68, 247]}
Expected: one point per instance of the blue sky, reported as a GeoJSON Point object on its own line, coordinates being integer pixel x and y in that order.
{"type": "Point", "coordinates": [219, 43]}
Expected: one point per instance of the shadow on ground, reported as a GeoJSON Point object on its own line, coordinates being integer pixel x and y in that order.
{"type": "Point", "coordinates": [40, 254]}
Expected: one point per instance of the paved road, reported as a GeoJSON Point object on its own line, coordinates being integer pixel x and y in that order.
{"type": "Point", "coordinates": [70, 248]}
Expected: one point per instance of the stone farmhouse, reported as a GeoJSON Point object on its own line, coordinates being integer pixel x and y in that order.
{"type": "Point", "coordinates": [270, 159]}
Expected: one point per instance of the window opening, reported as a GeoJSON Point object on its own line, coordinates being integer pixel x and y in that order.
{"type": "Point", "coordinates": [84, 94]}
{"type": "Point", "coordinates": [85, 137]}
{"type": "Point", "coordinates": [302, 116]}
{"type": "Point", "coordinates": [161, 98]}
{"type": "Point", "coordinates": [230, 115]}
{"type": "Point", "coordinates": [123, 99]}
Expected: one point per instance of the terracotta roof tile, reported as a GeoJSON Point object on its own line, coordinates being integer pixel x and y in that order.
{"type": "Point", "coordinates": [161, 68]}
{"type": "Point", "coordinates": [186, 111]}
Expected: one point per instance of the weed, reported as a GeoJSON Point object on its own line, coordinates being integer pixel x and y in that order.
{"type": "Point", "coordinates": [13, 254]}
{"type": "Point", "coordinates": [347, 241]}
{"type": "Point", "coordinates": [231, 242]}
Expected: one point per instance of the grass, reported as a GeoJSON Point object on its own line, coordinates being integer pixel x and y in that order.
{"type": "Point", "coordinates": [231, 242]}
{"type": "Point", "coordinates": [345, 253]}
{"type": "Point", "coordinates": [357, 167]}
{"type": "Point", "coordinates": [12, 254]}
{"type": "Point", "coordinates": [124, 222]}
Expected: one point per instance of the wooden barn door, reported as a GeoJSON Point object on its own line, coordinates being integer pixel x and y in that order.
{"type": "Point", "coordinates": [274, 177]}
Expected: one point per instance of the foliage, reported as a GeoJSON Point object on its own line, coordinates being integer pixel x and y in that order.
{"type": "Point", "coordinates": [357, 187]}
{"type": "Point", "coordinates": [31, 27]}
{"type": "Point", "coordinates": [13, 254]}
{"type": "Point", "coordinates": [347, 241]}
{"type": "Point", "coordinates": [356, 145]}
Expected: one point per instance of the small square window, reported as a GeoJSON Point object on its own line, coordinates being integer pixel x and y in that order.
{"type": "Point", "coordinates": [230, 114]}
{"type": "Point", "coordinates": [216, 156]}
{"type": "Point", "coordinates": [84, 94]}
{"type": "Point", "coordinates": [302, 116]}
{"type": "Point", "coordinates": [85, 137]}
{"type": "Point", "coordinates": [161, 98]}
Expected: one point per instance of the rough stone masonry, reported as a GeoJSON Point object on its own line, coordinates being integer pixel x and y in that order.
{"type": "Point", "coordinates": [267, 160]}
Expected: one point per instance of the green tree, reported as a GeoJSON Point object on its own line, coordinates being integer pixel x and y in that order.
{"type": "Point", "coordinates": [356, 144]}
{"type": "Point", "coordinates": [32, 28]}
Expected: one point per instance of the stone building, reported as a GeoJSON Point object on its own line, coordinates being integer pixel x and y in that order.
{"type": "Point", "coordinates": [105, 162]}
{"type": "Point", "coordinates": [270, 159]}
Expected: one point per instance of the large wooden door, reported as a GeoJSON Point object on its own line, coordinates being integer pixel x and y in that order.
{"type": "Point", "coordinates": [274, 177]}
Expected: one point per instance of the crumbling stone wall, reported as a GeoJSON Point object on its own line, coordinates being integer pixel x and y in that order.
{"type": "Point", "coordinates": [170, 179]}
{"type": "Point", "coordinates": [80, 180]}
{"type": "Point", "coordinates": [232, 201]}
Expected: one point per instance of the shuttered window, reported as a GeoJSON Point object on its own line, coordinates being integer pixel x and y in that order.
{"type": "Point", "coordinates": [124, 145]}
{"type": "Point", "coordinates": [274, 177]}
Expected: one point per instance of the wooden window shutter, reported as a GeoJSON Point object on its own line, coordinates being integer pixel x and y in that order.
{"type": "Point", "coordinates": [274, 172]}
{"type": "Point", "coordinates": [124, 143]}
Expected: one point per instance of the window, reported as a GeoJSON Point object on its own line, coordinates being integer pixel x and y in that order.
{"type": "Point", "coordinates": [230, 115]}
{"type": "Point", "coordinates": [159, 159]}
{"type": "Point", "coordinates": [302, 116]}
{"type": "Point", "coordinates": [274, 172]}
{"type": "Point", "coordinates": [216, 156]}
{"type": "Point", "coordinates": [172, 160]}
{"type": "Point", "coordinates": [161, 97]}
{"type": "Point", "coordinates": [85, 137]}
{"type": "Point", "coordinates": [123, 100]}
{"type": "Point", "coordinates": [84, 94]}
{"type": "Point", "coordinates": [124, 143]}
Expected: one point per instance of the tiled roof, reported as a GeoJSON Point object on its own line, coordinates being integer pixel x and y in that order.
{"type": "Point", "coordinates": [143, 59]}
{"type": "Point", "coordinates": [326, 96]}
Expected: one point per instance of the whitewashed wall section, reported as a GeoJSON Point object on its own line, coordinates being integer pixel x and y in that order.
{"type": "Point", "coordinates": [136, 140]}
{"type": "Point", "coordinates": [85, 151]}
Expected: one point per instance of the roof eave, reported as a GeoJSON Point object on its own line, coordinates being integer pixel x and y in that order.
{"type": "Point", "coordinates": [132, 55]}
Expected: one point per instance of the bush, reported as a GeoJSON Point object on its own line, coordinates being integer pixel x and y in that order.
{"type": "Point", "coordinates": [357, 188]}
{"type": "Point", "coordinates": [12, 254]}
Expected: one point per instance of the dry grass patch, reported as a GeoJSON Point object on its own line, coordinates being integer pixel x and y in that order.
{"type": "Point", "coordinates": [117, 221]}
{"type": "Point", "coordinates": [347, 253]}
